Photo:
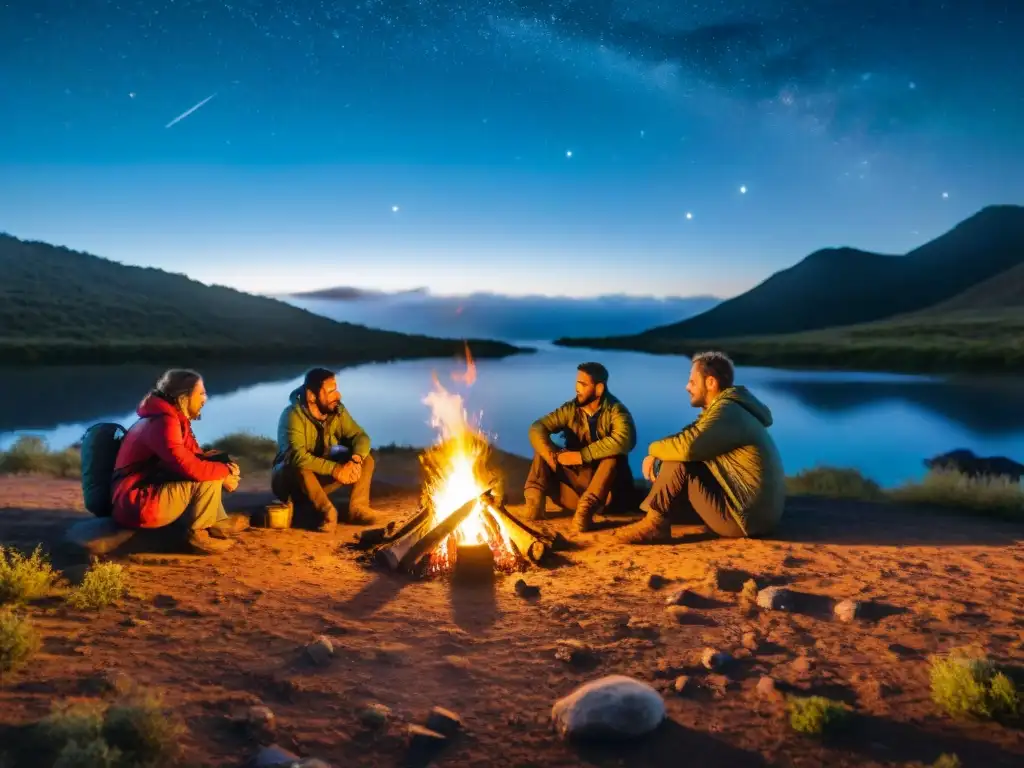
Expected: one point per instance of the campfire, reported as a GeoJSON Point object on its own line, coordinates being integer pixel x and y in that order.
{"type": "Point", "coordinates": [462, 527]}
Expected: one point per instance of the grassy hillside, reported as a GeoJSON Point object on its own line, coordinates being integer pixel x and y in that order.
{"type": "Point", "coordinates": [1004, 291]}
{"type": "Point", "coordinates": [840, 287]}
{"type": "Point", "coordinates": [62, 306]}
{"type": "Point", "coordinates": [991, 341]}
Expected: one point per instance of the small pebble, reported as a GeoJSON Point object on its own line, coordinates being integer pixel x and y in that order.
{"type": "Point", "coordinates": [526, 590]}
{"type": "Point", "coordinates": [320, 650]}
{"type": "Point", "coordinates": [766, 688]}
{"type": "Point", "coordinates": [681, 684]}
{"type": "Point", "coordinates": [656, 581]}
{"type": "Point", "coordinates": [375, 715]}
{"type": "Point", "coordinates": [713, 659]}
{"type": "Point", "coordinates": [774, 599]}
{"type": "Point", "coordinates": [750, 641]}
{"type": "Point", "coordinates": [847, 610]}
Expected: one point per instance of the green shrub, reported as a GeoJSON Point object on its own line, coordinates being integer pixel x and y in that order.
{"type": "Point", "coordinates": [79, 723]}
{"type": "Point", "coordinates": [834, 482]}
{"type": "Point", "coordinates": [816, 715]}
{"type": "Point", "coordinates": [24, 578]}
{"type": "Point", "coordinates": [18, 640]}
{"type": "Point", "coordinates": [966, 684]}
{"type": "Point", "coordinates": [92, 754]}
{"type": "Point", "coordinates": [30, 455]}
{"type": "Point", "coordinates": [995, 496]}
{"type": "Point", "coordinates": [140, 728]}
{"type": "Point", "coordinates": [104, 584]}
{"type": "Point", "coordinates": [947, 761]}
{"type": "Point", "coordinates": [251, 452]}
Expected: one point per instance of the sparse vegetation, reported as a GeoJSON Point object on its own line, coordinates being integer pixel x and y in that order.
{"type": "Point", "coordinates": [748, 595]}
{"type": "Point", "coordinates": [24, 578]}
{"type": "Point", "coordinates": [816, 715]}
{"type": "Point", "coordinates": [834, 482]}
{"type": "Point", "coordinates": [30, 455]}
{"type": "Point", "coordinates": [133, 730]}
{"type": "Point", "coordinates": [947, 761]}
{"type": "Point", "coordinates": [104, 584]}
{"type": "Point", "coordinates": [994, 497]}
{"type": "Point", "coordinates": [253, 453]}
{"type": "Point", "coordinates": [18, 640]}
{"type": "Point", "coordinates": [967, 684]}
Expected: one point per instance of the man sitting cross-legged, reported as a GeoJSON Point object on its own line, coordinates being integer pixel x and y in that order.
{"type": "Point", "coordinates": [321, 448]}
{"type": "Point", "coordinates": [724, 466]}
{"type": "Point", "coordinates": [593, 470]}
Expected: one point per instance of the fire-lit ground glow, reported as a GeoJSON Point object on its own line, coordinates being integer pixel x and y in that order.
{"type": "Point", "coordinates": [456, 475]}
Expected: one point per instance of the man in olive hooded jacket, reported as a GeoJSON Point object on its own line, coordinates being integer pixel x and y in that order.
{"type": "Point", "coordinates": [593, 469]}
{"type": "Point", "coordinates": [320, 448]}
{"type": "Point", "coordinates": [724, 466]}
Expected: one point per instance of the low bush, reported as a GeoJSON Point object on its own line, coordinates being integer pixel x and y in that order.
{"type": "Point", "coordinates": [18, 640]}
{"type": "Point", "coordinates": [834, 482]}
{"type": "Point", "coordinates": [816, 715]}
{"type": "Point", "coordinates": [993, 496]}
{"type": "Point", "coordinates": [253, 453]}
{"type": "Point", "coordinates": [104, 584]}
{"type": "Point", "coordinates": [30, 455]}
{"type": "Point", "coordinates": [24, 578]}
{"type": "Point", "coordinates": [967, 684]}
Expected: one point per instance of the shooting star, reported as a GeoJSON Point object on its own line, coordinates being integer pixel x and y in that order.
{"type": "Point", "coordinates": [183, 115]}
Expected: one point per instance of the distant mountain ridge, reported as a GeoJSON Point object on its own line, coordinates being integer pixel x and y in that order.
{"type": "Point", "coordinates": [840, 287]}
{"type": "Point", "coordinates": [60, 305]}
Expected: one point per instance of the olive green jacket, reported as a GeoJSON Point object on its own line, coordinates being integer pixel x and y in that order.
{"type": "Point", "coordinates": [731, 437]}
{"type": "Point", "coordinates": [305, 442]}
{"type": "Point", "coordinates": [616, 434]}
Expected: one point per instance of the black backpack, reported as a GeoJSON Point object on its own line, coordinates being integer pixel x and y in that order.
{"type": "Point", "coordinates": [100, 445]}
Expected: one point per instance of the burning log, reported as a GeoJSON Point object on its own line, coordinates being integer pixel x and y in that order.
{"type": "Point", "coordinates": [421, 536]}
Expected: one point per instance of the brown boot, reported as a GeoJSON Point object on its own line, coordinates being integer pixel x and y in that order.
{"type": "Point", "coordinates": [359, 510]}
{"type": "Point", "coordinates": [588, 506]}
{"type": "Point", "coordinates": [535, 503]}
{"type": "Point", "coordinates": [204, 544]}
{"type": "Point", "coordinates": [329, 521]}
{"type": "Point", "coordinates": [655, 528]}
{"type": "Point", "coordinates": [232, 525]}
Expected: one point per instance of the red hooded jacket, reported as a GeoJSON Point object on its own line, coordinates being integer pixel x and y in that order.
{"type": "Point", "coordinates": [161, 444]}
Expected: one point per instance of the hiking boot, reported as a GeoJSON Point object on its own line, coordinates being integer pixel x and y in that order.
{"type": "Point", "coordinates": [232, 525]}
{"type": "Point", "coordinates": [329, 521]}
{"type": "Point", "coordinates": [588, 506]}
{"type": "Point", "coordinates": [655, 528]}
{"type": "Point", "coordinates": [535, 503]}
{"type": "Point", "coordinates": [204, 544]}
{"type": "Point", "coordinates": [362, 515]}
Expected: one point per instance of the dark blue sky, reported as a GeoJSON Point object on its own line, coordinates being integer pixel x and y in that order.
{"type": "Point", "coordinates": [872, 123]}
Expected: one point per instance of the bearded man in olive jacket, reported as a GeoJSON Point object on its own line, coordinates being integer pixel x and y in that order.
{"type": "Point", "coordinates": [321, 448]}
{"type": "Point", "coordinates": [723, 469]}
{"type": "Point", "coordinates": [592, 471]}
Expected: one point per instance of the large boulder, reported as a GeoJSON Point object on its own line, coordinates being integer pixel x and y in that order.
{"type": "Point", "coordinates": [612, 707]}
{"type": "Point", "coordinates": [97, 536]}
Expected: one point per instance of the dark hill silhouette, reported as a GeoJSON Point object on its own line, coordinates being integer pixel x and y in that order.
{"type": "Point", "coordinates": [1004, 291]}
{"type": "Point", "coordinates": [60, 305]}
{"type": "Point", "coordinates": [843, 286]}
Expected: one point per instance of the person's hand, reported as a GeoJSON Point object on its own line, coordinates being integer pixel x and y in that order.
{"type": "Point", "coordinates": [551, 459]}
{"type": "Point", "coordinates": [230, 483]}
{"type": "Point", "coordinates": [235, 470]}
{"type": "Point", "coordinates": [648, 468]}
{"type": "Point", "coordinates": [347, 473]}
{"type": "Point", "coordinates": [570, 458]}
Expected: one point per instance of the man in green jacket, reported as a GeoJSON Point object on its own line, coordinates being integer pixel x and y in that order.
{"type": "Point", "coordinates": [724, 466]}
{"type": "Point", "coordinates": [592, 470]}
{"type": "Point", "coordinates": [320, 448]}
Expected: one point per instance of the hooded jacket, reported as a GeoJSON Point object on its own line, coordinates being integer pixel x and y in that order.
{"type": "Point", "coordinates": [616, 434]}
{"type": "Point", "coordinates": [731, 437]}
{"type": "Point", "coordinates": [305, 443]}
{"type": "Point", "coordinates": [159, 447]}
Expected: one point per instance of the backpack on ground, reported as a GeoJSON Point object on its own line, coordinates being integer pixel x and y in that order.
{"type": "Point", "coordinates": [100, 445]}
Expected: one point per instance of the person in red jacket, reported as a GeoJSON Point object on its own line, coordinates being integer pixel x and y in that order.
{"type": "Point", "coordinates": [162, 476]}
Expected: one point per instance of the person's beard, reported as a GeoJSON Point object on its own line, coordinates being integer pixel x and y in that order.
{"type": "Point", "coordinates": [584, 401]}
{"type": "Point", "coordinates": [330, 407]}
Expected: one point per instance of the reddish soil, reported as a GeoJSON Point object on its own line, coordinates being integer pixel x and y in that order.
{"type": "Point", "coordinates": [216, 633]}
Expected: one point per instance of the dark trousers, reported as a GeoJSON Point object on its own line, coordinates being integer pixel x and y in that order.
{"type": "Point", "coordinates": [687, 492]}
{"type": "Point", "coordinates": [310, 493]}
{"type": "Point", "coordinates": [565, 485]}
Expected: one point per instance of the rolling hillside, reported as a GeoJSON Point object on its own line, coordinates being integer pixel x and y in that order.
{"type": "Point", "coordinates": [840, 287]}
{"type": "Point", "coordinates": [1004, 291]}
{"type": "Point", "coordinates": [63, 306]}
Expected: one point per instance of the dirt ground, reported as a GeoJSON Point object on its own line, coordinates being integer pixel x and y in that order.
{"type": "Point", "coordinates": [218, 633]}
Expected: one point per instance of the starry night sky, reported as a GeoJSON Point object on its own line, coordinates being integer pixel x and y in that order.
{"type": "Point", "coordinates": [574, 147]}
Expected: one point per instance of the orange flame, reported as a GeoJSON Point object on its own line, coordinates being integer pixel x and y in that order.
{"type": "Point", "coordinates": [469, 377]}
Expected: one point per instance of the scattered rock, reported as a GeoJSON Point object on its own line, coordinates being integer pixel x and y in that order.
{"type": "Point", "coordinates": [615, 706]}
{"type": "Point", "coordinates": [847, 610]}
{"type": "Point", "coordinates": [320, 650]}
{"type": "Point", "coordinates": [375, 715]}
{"type": "Point", "coordinates": [714, 660]}
{"type": "Point", "coordinates": [574, 652]}
{"type": "Point", "coordinates": [801, 665]}
{"type": "Point", "coordinates": [666, 669]}
{"type": "Point", "coordinates": [272, 756]}
{"type": "Point", "coordinates": [445, 722]}
{"type": "Point", "coordinates": [260, 720]}
{"type": "Point", "coordinates": [681, 684]}
{"type": "Point", "coordinates": [678, 597]}
{"type": "Point", "coordinates": [657, 581]}
{"type": "Point", "coordinates": [766, 689]}
{"type": "Point", "coordinates": [775, 599]}
{"type": "Point", "coordinates": [526, 590]}
{"type": "Point", "coordinates": [641, 627]}
{"type": "Point", "coordinates": [750, 641]}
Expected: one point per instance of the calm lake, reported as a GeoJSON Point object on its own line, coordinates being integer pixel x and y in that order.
{"type": "Point", "coordinates": [882, 424]}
